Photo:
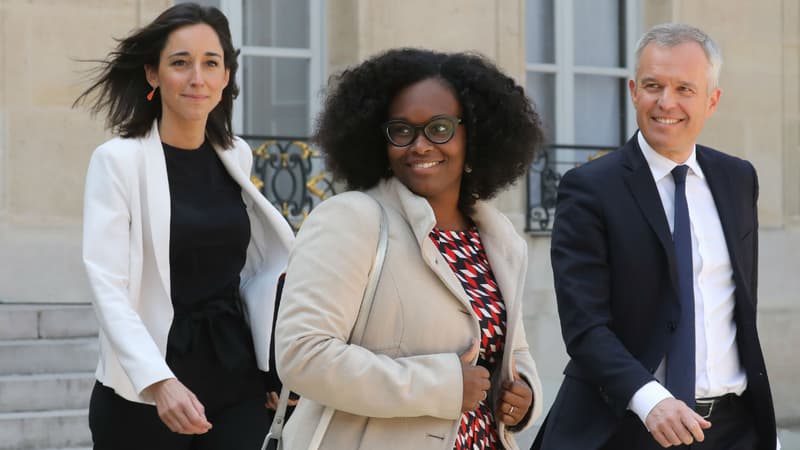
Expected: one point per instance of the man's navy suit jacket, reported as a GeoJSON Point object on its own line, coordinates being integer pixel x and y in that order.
{"type": "Point", "coordinates": [614, 267]}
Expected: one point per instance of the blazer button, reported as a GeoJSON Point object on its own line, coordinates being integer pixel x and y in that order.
{"type": "Point", "coordinates": [671, 325]}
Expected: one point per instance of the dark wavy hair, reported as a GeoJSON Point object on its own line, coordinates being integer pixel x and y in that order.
{"type": "Point", "coordinates": [120, 85]}
{"type": "Point", "coordinates": [503, 129]}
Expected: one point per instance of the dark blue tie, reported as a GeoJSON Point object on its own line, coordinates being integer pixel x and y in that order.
{"type": "Point", "coordinates": [680, 359]}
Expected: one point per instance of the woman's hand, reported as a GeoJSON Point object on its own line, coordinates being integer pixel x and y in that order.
{"type": "Point", "coordinates": [476, 379]}
{"type": "Point", "coordinates": [515, 400]}
{"type": "Point", "coordinates": [178, 407]}
{"type": "Point", "coordinates": [274, 397]}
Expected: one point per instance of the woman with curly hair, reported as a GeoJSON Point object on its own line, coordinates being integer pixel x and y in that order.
{"type": "Point", "coordinates": [183, 253]}
{"type": "Point", "coordinates": [443, 362]}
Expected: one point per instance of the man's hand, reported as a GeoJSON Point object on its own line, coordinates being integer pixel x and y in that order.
{"type": "Point", "coordinates": [178, 407]}
{"type": "Point", "coordinates": [672, 422]}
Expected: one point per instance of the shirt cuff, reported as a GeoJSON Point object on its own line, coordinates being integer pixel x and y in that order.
{"type": "Point", "coordinates": [646, 398]}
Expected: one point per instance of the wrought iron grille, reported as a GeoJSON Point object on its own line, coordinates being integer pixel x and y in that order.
{"type": "Point", "coordinates": [543, 177]}
{"type": "Point", "coordinates": [290, 174]}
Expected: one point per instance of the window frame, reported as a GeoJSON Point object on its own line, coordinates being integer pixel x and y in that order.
{"type": "Point", "coordinates": [564, 68]}
{"type": "Point", "coordinates": [315, 54]}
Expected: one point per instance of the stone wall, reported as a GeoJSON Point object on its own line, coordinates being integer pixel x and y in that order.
{"type": "Point", "coordinates": [44, 143]}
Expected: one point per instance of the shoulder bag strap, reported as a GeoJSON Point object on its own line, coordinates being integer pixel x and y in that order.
{"type": "Point", "coordinates": [276, 429]}
{"type": "Point", "coordinates": [361, 320]}
{"type": "Point", "coordinates": [372, 283]}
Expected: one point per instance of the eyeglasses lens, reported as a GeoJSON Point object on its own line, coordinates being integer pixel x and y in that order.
{"type": "Point", "coordinates": [401, 134]}
{"type": "Point", "coordinates": [439, 131]}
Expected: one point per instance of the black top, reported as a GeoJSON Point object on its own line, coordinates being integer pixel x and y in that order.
{"type": "Point", "coordinates": [209, 229]}
{"type": "Point", "coordinates": [209, 234]}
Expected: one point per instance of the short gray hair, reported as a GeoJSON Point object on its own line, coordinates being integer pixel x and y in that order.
{"type": "Point", "coordinates": [674, 34]}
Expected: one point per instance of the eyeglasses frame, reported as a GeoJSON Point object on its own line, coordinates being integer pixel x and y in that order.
{"type": "Point", "coordinates": [421, 128]}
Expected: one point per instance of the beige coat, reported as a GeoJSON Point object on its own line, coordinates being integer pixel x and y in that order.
{"type": "Point", "coordinates": [126, 223]}
{"type": "Point", "coordinates": [403, 388]}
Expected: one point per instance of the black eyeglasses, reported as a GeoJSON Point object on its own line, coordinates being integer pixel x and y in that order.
{"type": "Point", "coordinates": [438, 130]}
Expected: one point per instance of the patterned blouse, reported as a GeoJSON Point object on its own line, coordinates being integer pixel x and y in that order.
{"type": "Point", "coordinates": [464, 253]}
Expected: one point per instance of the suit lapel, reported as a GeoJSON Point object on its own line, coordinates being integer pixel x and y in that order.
{"type": "Point", "coordinates": [643, 189]}
{"type": "Point", "coordinates": [230, 160]}
{"type": "Point", "coordinates": [279, 234]}
{"type": "Point", "coordinates": [158, 208]}
{"type": "Point", "coordinates": [729, 211]}
{"type": "Point", "coordinates": [231, 163]}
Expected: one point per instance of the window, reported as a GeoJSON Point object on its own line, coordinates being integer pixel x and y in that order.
{"type": "Point", "coordinates": [281, 67]}
{"type": "Point", "coordinates": [578, 61]}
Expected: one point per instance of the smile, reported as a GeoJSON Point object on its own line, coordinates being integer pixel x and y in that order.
{"type": "Point", "coordinates": [425, 164]}
{"type": "Point", "coordinates": [666, 121]}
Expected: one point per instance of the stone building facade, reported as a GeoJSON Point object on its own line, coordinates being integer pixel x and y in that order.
{"type": "Point", "coordinates": [45, 143]}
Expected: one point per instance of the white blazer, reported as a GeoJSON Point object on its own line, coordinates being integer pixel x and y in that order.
{"type": "Point", "coordinates": [126, 231]}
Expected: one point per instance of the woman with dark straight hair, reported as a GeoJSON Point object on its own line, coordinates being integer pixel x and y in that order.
{"type": "Point", "coordinates": [182, 251]}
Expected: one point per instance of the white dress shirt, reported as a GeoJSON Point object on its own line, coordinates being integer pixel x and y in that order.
{"type": "Point", "coordinates": [718, 370]}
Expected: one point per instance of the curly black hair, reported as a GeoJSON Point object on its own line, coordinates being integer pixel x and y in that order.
{"type": "Point", "coordinates": [503, 129]}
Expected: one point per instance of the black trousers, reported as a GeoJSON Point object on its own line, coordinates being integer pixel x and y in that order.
{"type": "Point", "coordinates": [119, 424]}
{"type": "Point", "coordinates": [232, 390]}
{"type": "Point", "coordinates": [732, 428]}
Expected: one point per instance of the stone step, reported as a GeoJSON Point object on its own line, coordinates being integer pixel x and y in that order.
{"type": "Point", "coordinates": [35, 321]}
{"type": "Point", "coordinates": [71, 448]}
{"type": "Point", "coordinates": [65, 429]}
{"type": "Point", "coordinates": [31, 356]}
{"type": "Point", "coordinates": [42, 392]}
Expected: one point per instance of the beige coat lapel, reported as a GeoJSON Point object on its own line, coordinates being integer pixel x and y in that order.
{"type": "Point", "coordinates": [420, 217]}
{"type": "Point", "coordinates": [508, 255]}
{"type": "Point", "coordinates": [505, 250]}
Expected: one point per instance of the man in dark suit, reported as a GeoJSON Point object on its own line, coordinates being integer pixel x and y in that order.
{"type": "Point", "coordinates": [654, 253]}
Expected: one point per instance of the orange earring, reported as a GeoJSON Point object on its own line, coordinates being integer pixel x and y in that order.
{"type": "Point", "coordinates": [151, 94]}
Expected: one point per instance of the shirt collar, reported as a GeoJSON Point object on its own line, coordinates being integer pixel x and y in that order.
{"type": "Point", "coordinates": [661, 166]}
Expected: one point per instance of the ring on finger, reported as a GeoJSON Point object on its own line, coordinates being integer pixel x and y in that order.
{"type": "Point", "coordinates": [510, 410]}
